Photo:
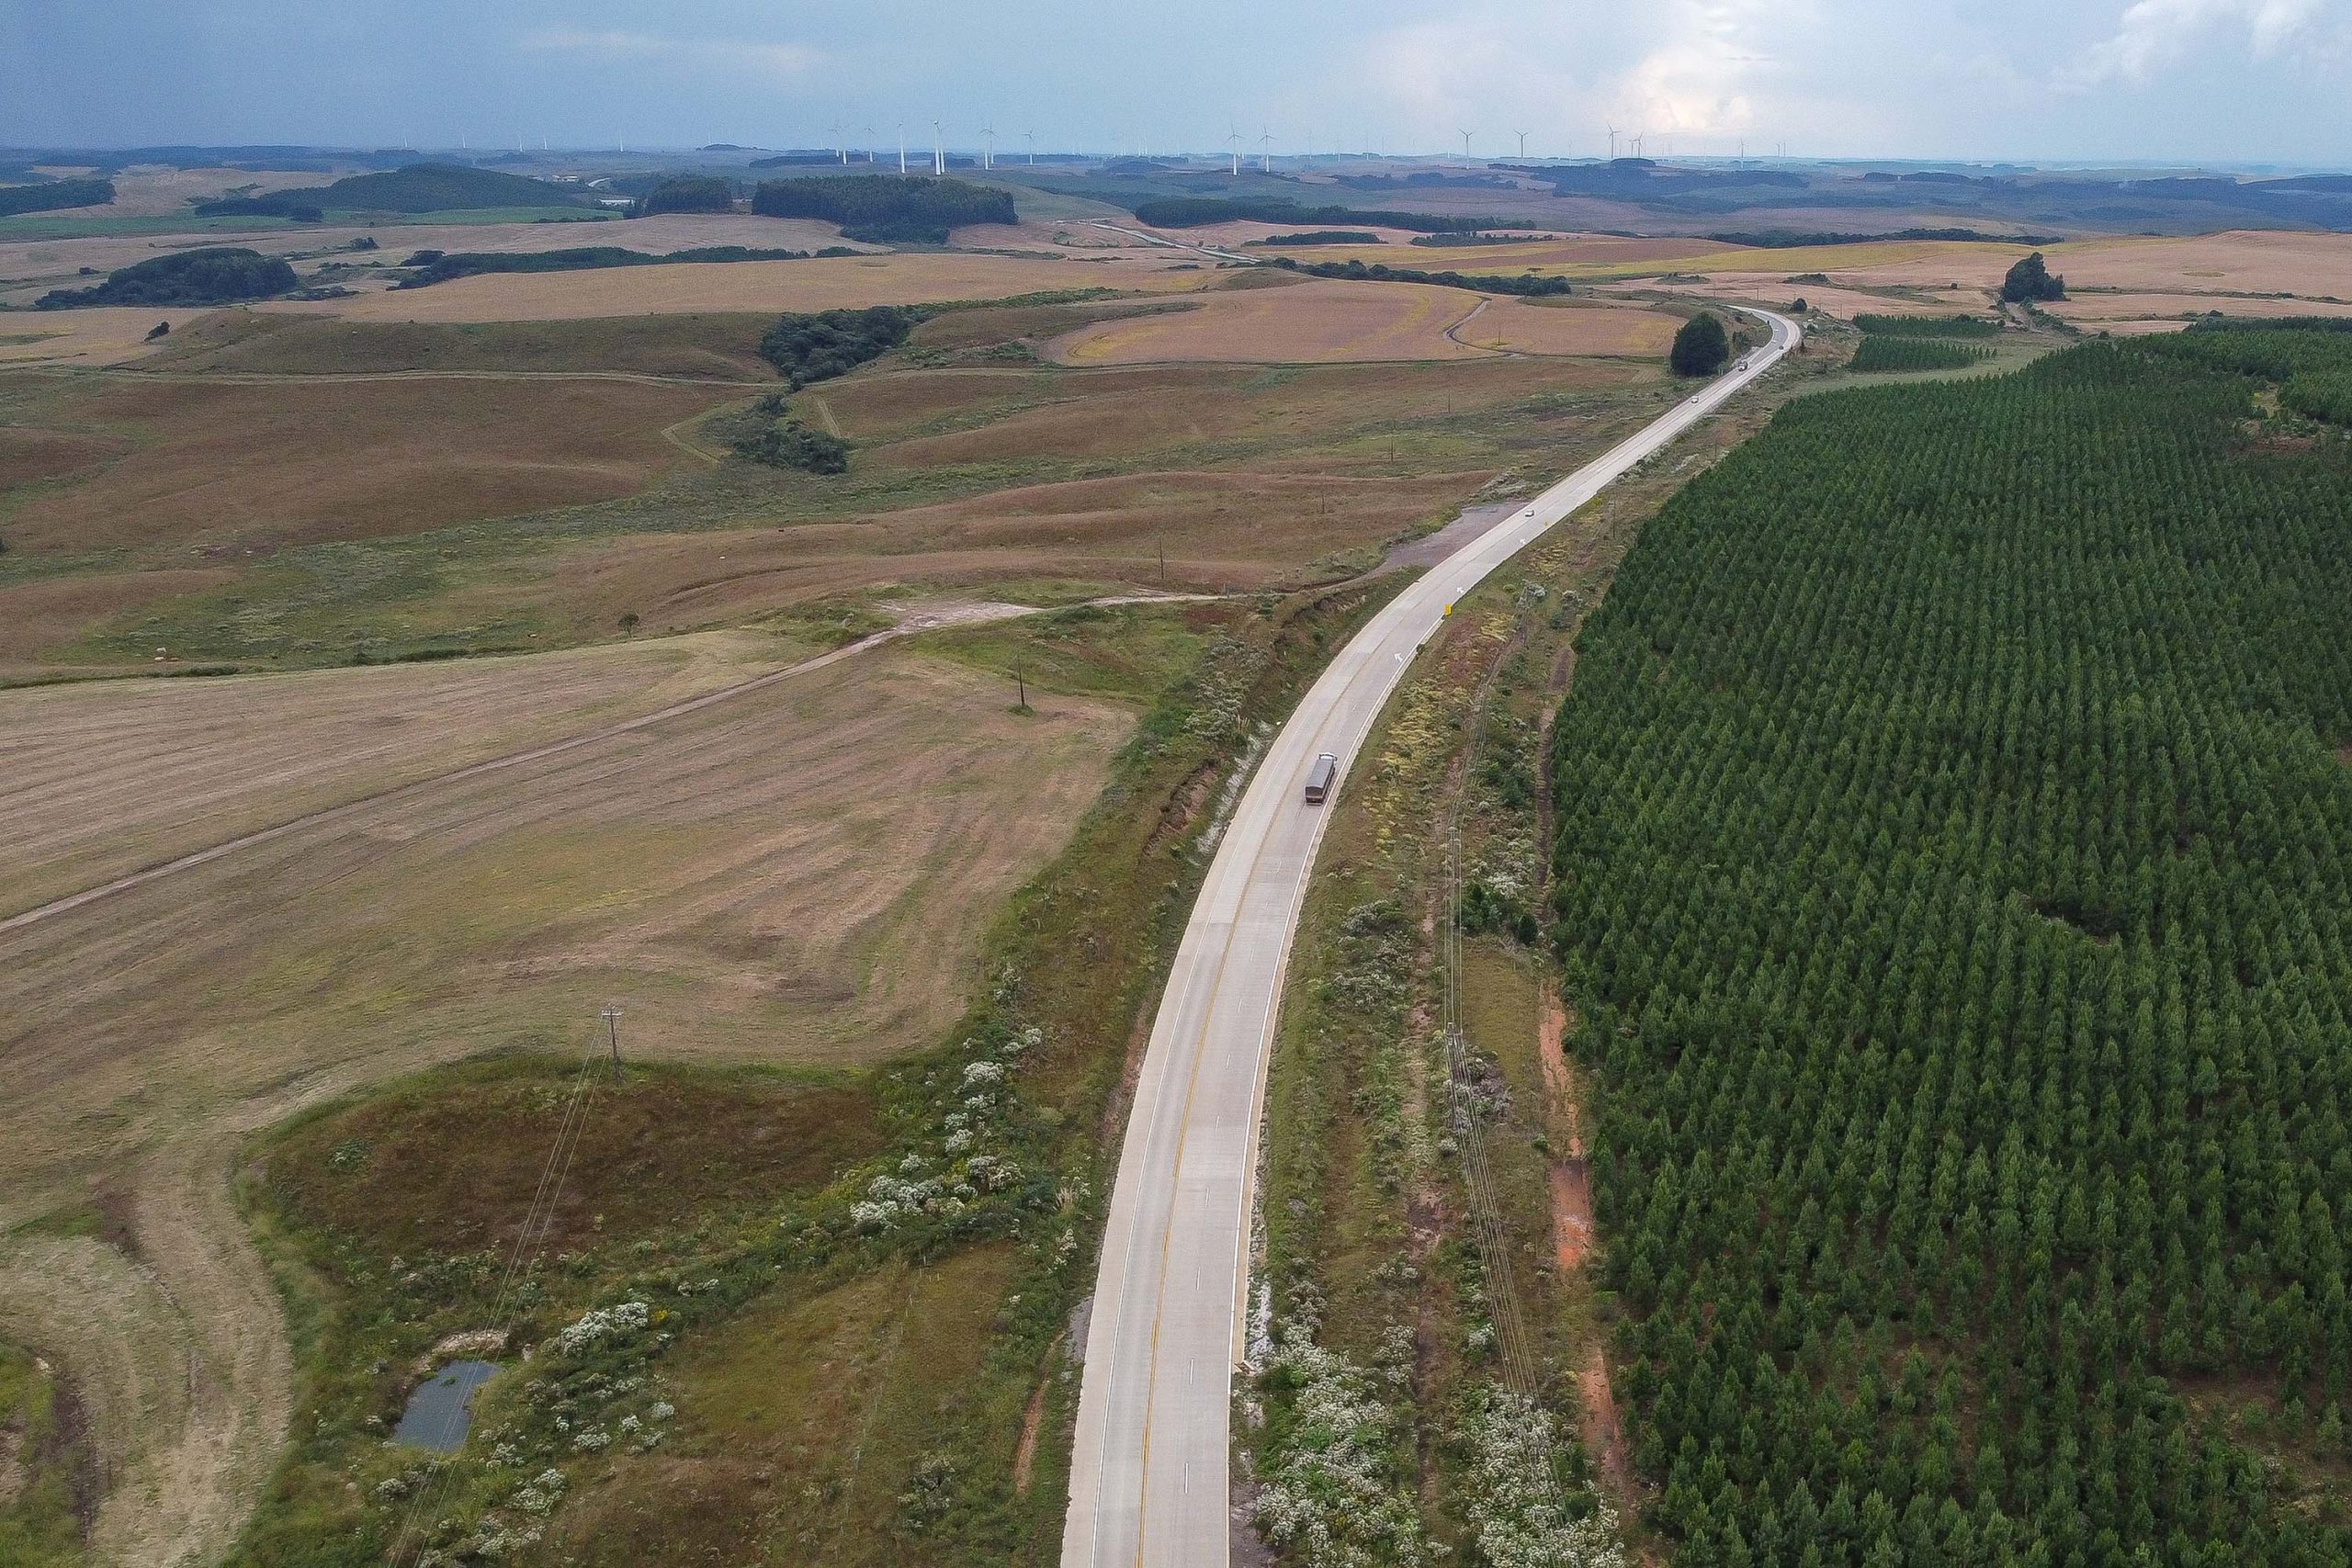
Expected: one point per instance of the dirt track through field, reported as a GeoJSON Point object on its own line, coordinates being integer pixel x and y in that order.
{"type": "Point", "coordinates": [801, 875]}
{"type": "Point", "coordinates": [961, 614]}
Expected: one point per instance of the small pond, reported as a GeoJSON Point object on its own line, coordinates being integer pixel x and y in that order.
{"type": "Point", "coordinates": [443, 1406]}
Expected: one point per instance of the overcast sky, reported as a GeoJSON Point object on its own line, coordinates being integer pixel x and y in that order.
{"type": "Point", "coordinates": [2181, 80]}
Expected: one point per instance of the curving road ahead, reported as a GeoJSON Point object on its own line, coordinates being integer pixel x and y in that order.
{"type": "Point", "coordinates": [1148, 1481]}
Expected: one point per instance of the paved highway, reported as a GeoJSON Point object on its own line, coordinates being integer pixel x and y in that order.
{"type": "Point", "coordinates": [1148, 1481]}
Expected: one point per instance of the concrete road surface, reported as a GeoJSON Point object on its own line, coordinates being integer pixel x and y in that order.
{"type": "Point", "coordinates": [1148, 1483]}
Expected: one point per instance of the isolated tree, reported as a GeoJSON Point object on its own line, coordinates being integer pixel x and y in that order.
{"type": "Point", "coordinates": [2031, 279]}
{"type": "Point", "coordinates": [1701, 347]}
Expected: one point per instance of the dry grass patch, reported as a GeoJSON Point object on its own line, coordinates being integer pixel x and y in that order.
{"type": "Point", "coordinates": [2101, 309]}
{"type": "Point", "coordinates": [251, 466]}
{"type": "Point", "coordinates": [28, 455]}
{"type": "Point", "coordinates": [801, 1426]}
{"type": "Point", "coordinates": [43, 614]}
{"type": "Point", "coordinates": [1318, 321]}
{"type": "Point", "coordinates": [831, 283]}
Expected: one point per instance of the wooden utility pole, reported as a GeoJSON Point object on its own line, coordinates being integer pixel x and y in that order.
{"type": "Point", "coordinates": [612, 1017]}
{"type": "Point", "coordinates": [1021, 691]}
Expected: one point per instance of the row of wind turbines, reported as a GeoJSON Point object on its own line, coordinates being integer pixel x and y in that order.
{"type": "Point", "coordinates": [1264, 142]}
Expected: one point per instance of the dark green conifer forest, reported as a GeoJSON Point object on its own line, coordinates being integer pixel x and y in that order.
{"type": "Point", "coordinates": [1953, 875]}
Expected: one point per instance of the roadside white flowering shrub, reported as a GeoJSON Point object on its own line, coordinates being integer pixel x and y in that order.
{"type": "Point", "coordinates": [991, 1172]}
{"type": "Point", "coordinates": [592, 1440]}
{"type": "Point", "coordinates": [869, 1217]}
{"type": "Point", "coordinates": [603, 1322]}
{"type": "Point", "coordinates": [957, 1142]}
{"type": "Point", "coordinates": [542, 1494]}
{"type": "Point", "coordinates": [1327, 1495]}
{"type": "Point", "coordinates": [660, 1410]}
{"type": "Point", "coordinates": [1517, 1506]}
{"type": "Point", "coordinates": [982, 1072]}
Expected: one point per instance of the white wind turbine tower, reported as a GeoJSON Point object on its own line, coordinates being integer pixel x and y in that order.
{"type": "Point", "coordinates": [1612, 143]}
{"type": "Point", "coordinates": [1522, 145]}
{"type": "Point", "coordinates": [839, 151]}
{"type": "Point", "coordinates": [1266, 151]}
{"type": "Point", "coordinates": [871, 156]}
{"type": "Point", "coordinates": [1233, 139]}
{"type": "Point", "coordinates": [1466, 144]}
{"type": "Point", "coordinates": [988, 145]}
{"type": "Point", "coordinates": [1033, 144]}
{"type": "Point", "coordinates": [902, 149]}
{"type": "Point", "coordinates": [938, 152]}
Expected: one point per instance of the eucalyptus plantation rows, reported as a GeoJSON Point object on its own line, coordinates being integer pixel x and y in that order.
{"type": "Point", "coordinates": [1954, 878]}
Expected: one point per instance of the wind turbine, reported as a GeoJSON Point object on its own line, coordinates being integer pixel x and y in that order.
{"type": "Point", "coordinates": [1033, 144]}
{"type": "Point", "coordinates": [938, 152]}
{"type": "Point", "coordinates": [1233, 139]}
{"type": "Point", "coordinates": [1612, 143]}
{"type": "Point", "coordinates": [1466, 144]}
{"type": "Point", "coordinates": [988, 145]}
{"type": "Point", "coordinates": [1522, 145]}
{"type": "Point", "coordinates": [902, 149]}
{"type": "Point", "coordinates": [869, 146]}
{"type": "Point", "coordinates": [1266, 151]}
{"type": "Point", "coordinates": [839, 151]}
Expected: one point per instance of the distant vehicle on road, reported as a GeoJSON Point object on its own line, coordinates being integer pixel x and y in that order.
{"type": "Point", "coordinates": [1319, 777]}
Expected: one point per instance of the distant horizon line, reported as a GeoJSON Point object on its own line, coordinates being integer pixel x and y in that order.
{"type": "Point", "coordinates": [1015, 159]}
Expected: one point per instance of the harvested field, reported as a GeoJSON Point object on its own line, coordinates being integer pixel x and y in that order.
{"type": "Point", "coordinates": [800, 875]}
{"type": "Point", "coordinates": [1528, 326]}
{"type": "Point", "coordinates": [1320, 321]}
{"type": "Point", "coordinates": [2099, 310]}
{"type": "Point", "coordinates": [1567, 253]}
{"type": "Point", "coordinates": [2256, 262]}
{"type": "Point", "coordinates": [104, 777]}
{"type": "Point", "coordinates": [252, 466]}
{"type": "Point", "coordinates": [772, 287]}
{"type": "Point", "coordinates": [715, 347]}
{"type": "Point", "coordinates": [1847, 303]}
{"type": "Point", "coordinates": [105, 334]}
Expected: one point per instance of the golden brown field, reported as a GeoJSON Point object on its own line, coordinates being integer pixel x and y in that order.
{"type": "Point", "coordinates": [832, 283]}
{"type": "Point", "coordinates": [104, 334]}
{"type": "Point", "coordinates": [1556, 327]}
{"type": "Point", "coordinates": [800, 874]}
{"type": "Point", "coordinates": [1315, 322]}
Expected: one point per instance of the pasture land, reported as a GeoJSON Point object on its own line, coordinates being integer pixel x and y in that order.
{"type": "Point", "coordinates": [103, 334]}
{"type": "Point", "coordinates": [826, 283]}
{"type": "Point", "coordinates": [799, 876]}
{"type": "Point", "coordinates": [722, 347]}
{"type": "Point", "coordinates": [973, 463]}
{"type": "Point", "coordinates": [1555, 326]}
{"type": "Point", "coordinates": [229, 468]}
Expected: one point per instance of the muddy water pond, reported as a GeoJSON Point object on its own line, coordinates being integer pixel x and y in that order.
{"type": "Point", "coordinates": [443, 1406]}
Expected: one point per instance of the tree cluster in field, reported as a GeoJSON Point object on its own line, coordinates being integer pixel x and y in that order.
{"type": "Point", "coordinates": [297, 206]}
{"type": "Point", "coordinates": [886, 210]}
{"type": "Point", "coordinates": [782, 441]}
{"type": "Point", "coordinates": [54, 196]}
{"type": "Point", "coordinates": [423, 187]}
{"type": "Point", "coordinates": [819, 345]}
{"type": "Point", "coordinates": [212, 275]}
{"type": "Point", "coordinates": [686, 193]}
{"type": "Point", "coordinates": [427, 267]}
{"type": "Point", "coordinates": [1528, 284]}
{"type": "Point", "coordinates": [2031, 281]}
{"type": "Point", "coordinates": [1953, 872]}
{"type": "Point", "coordinates": [1321, 237]}
{"type": "Point", "coordinates": [1193, 211]}
{"type": "Point", "coordinates": [1701, 347]}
